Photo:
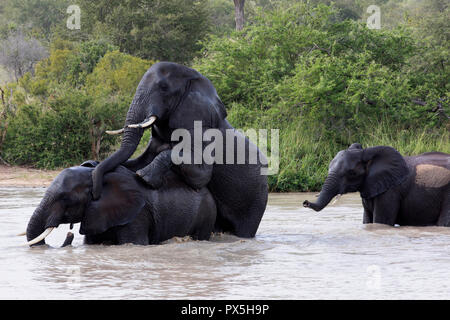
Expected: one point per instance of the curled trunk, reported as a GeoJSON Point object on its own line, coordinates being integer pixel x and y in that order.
{"type": "Point", "coordinates": [329, 190]}
{"type": "Point", "coordinates": [130, 141]}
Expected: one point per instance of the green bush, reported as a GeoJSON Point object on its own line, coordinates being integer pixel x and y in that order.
{"type": "Point", "coordinates": [63, 111]}
{"type": "Point", "coordinates": [66, 132]}
{"type": "Point", "coordinates": [117, 72]}
{"type": "Point", "coordinates": [58, 137]}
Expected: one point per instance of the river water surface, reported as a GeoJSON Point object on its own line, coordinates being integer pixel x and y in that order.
{"type": "Point", "coordinates": [296, 254]}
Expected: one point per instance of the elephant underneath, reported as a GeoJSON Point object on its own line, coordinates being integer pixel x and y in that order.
{"type": "Point", "coordinates": [128, 212]}
{"type": "Point", "coordinates": [395, 189]}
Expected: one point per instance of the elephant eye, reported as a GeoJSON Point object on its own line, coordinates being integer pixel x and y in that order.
{"type": "Point", "coordinates": [352, 173]}
{"type": "Point", "coordinates": [163, 86]}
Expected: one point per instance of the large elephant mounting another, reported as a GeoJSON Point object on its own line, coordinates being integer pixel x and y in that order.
{"type": "Point", "coordinates": [400, 190]}
{"type": "Point", "coordinates": [170, 97]}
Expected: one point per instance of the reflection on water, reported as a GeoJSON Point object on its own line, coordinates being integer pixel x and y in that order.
{"type": "Point", "coordinates": [297, 254]}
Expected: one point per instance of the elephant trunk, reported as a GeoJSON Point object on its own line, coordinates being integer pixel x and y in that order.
{"type": "Point", "coordinates": [130, 141]}
{"type": "Point", "coordinates": [329, 190]}
{"type": "Point", "coordinates": [131, 135]}
{"type": "Point", "coordinates": [144, 110]}
{"type": "Point", "coordinates": [38, 221]}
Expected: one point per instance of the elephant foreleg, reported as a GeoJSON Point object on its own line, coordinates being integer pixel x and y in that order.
{"type": "Point", "coordinates": [196, 176]}
{"type": "Point", "coordinates": [386, 208]}
{"type": "Point", "coordinates": [153, 173]}
{"type": "Point", "coordinates": [368, 217]}
{"type": "Point", "coordinates": [368, 211]}
{"type": "Point", "coordinates": [154, 147]}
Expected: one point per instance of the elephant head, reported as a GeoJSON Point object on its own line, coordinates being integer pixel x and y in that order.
{"type": "Point", "coordinates": [160, 102]}
{"type": "Point", "coordinates": [370, 171]}
{"type": "Point", "coordinates": [69, 200]}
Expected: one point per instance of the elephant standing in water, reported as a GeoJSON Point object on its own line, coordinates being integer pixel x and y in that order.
{"type": "Point", "coordinates": [170, 97]}
{"type": "Point", "coordinates": [128, 212]}
{"type": "Point", "coordinates": [400, 190]}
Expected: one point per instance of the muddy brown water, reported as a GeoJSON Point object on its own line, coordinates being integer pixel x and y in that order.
{"type": "Point", "coordinates": [296, 254]}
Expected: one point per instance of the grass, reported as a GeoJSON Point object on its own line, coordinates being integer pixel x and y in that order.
{"type": "Point", "coordinates": [305, 154]}
{"type": "Point", "coordinates": [409, 142]}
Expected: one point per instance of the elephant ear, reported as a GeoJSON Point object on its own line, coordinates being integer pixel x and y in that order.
{"type": "Point", "coordinates": [120, 203]}
{"type": "Point", "coordinates": [199, 103]}
{"type": "Point", "coordinates": [90, 164]}
{"type": "Point", "coordinates": [355, 146]}
{"type": "Point", "coordinates": [386, 168]}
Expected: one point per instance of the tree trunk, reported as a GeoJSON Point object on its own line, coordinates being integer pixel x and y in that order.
{"type": "Point", "coordinates": [239, 14]}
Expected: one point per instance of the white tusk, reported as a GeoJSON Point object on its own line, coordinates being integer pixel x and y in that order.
{"type": "Point", "coordinates": [336, 199]}
{"type": "Point", "coordinates": [145, 124]}
{"type": "Point", "coordinates": [119, 131]}
{"type": "Point", "coordinates": [22, 234]}
{"type": "Point", "coordinates": [42, 236]}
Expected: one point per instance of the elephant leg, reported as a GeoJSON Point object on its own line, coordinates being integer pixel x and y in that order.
{"type": "Point", "coordinates": [205, 219]}
{"type": "Point", "coordinates": [135, 232]}
{"type": "Point", "coordinates": [386, 208]}
{"type": "Point", "coordinates": [368, 211]}
{"type": "Point", "coordinates": [367, 217]}
{"type": "Point", "coordinates": [153, 174]}
{"type": "Point", "coordinates": [154, 147]}
{"type": "Point", "coordinates": [244, 222]}
{"type": "Point", "coordinates": [444, 217]}
{"type": "Point", "coordinates": [196, 176]}
{"type": "Point", "coordinates": [244, 226]}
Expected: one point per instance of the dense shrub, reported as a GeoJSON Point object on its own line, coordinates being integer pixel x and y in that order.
{"type": "Point", "coordinates": [57, 137]}
{"type": "Point", "coordinates": [62, 114]}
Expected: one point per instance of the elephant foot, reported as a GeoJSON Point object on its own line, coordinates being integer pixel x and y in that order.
{"type": "Point", "coordinates": [153, 180]}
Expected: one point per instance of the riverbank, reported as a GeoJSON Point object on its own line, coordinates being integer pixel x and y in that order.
{"type": "Point", "coordinates": [14, 176]}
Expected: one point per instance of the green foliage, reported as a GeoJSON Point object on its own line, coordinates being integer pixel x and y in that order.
{"type": "Point", "coordinates": [54, 138]}
{"type": "Point", "coordinates": [64, 133]}
{"type": "Point", "coordinates": [117, 72]}
{"type": "Point", "coordinates": [39, 17]}
{"type": "Point", "coordinates": [77, 94]}
{"type": "Point", "coordinates": [71, 62]}
{"type": "Point", "coordinates": [84, 60]}
{"type": "Point", "coordinates": [162, 30]}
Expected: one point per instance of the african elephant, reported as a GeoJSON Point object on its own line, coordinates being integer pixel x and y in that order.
{"type": "Point", "coordinates": [412, 191]}
{"type": "Point", "coordinates": [170, 97]}
{"type": "Point", "coordinates": [128, 211]}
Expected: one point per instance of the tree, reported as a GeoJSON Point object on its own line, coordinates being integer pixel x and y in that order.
{"type": "Point", "coordinates": [162, 30]}
{"type": "Point", "coordinates": [39, 17]}
{"type": "Point", "coordinates": [239, 14]}
{"type": "Point", "coordinates": [19, 54]}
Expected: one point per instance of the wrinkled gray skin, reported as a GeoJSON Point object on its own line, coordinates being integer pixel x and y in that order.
{"type": "Point", "coordinates": [178, 96]}
{"type": "Point", "coordinates": [128, 211]}
{"type": "Point", "coordinates": [394, 189]}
